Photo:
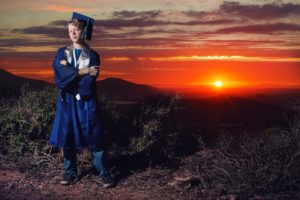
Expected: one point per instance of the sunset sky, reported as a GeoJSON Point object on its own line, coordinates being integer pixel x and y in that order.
{"type": "Point", "coordinates": [164, 43]}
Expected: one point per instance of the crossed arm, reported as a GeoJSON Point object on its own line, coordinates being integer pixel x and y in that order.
{"type": "Point", "coordinates": [68, 78]}
{"type": "Point", "coordinates": [92, 71]}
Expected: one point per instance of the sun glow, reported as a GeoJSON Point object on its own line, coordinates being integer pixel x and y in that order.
{"type": "Point", "coordinates": [218, 83]}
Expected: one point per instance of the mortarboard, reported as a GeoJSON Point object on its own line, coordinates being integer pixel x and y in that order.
{"type": "Point", "coordinates": [88, 29]}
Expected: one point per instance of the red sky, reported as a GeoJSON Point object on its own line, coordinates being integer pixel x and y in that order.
{"type": "Point", "coordinates": [162, 43]}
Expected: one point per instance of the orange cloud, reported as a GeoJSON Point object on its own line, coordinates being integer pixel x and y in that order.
{"type": "Point", "coordinates": [63, 8]}
{"type": "Point", "coordinates": [32, 72]}
{"type": "Point", "coordinates": [229, 58]}
{"type": "Point", "coordinates": [33, 49]}
{"type": "Point", "coordinates": [118, 59]}
{"type": "Point", "coordinates": [111, 73]}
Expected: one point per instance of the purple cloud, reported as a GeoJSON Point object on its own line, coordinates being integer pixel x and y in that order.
{"type": "Point", "coordinates": [44, 30]}
{"type": "Point", "coordinates": [30, 42]}
{"type": "Point", "coordinates": [260, 28]}
{"type": "Point", "coordinates": [134, 14]}
{"type": "Point", "coordinates": [266, 11]}
{"type": "Point", "coordinates": [123, 23]}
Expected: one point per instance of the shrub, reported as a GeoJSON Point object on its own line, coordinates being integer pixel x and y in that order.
{"type": "Point", "coordinates": [158, 127]}
{"type": "Point", "coordinates": [116, 124]}
{"type": "Point", "coordinates": [26, 121]}
{"type": "Point", "coordinates": [247, 165]}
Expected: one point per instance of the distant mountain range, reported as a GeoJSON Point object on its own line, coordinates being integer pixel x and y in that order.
{"type": "Point", "coordinates": [226, 114]}
{"type": "Point", "coordinates": [112, 88]}
{"type": "Point", "coordinates": [230, 114]}
{"type": "Point", "coordinates": [11, 84]}
{"type": "Point", "coordinates": [229, 110]}
{"type": "Point", "coordinates": [118, 89]}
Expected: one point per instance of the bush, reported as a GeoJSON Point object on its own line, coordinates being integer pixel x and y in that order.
{"type": "Point", "coordinates": [159, 130]}
{"type": "Point", "coordinates": [247, 165]}
{"type": "Point", "coordinates": [117, 125]}
{"type": "Point", "coordinates": [26, 121]}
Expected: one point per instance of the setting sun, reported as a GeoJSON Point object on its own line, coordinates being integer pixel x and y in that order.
{"type": "Point", "coordinates": [218, 83]}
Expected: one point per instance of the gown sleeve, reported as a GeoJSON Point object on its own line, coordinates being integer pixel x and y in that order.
{"type": "Point", "coordinates": [64, 76]}
{"type": "Point", "coordinates": [87, 83]}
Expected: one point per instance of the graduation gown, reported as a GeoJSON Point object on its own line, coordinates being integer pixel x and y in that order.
{"type": "Point", "coordinates": [77, 119]}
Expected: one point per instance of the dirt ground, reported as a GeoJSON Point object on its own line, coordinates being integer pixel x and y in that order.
{"type": "Point", "coordinates": [17, 185]}
{"type": "Point", "coordinates": [36, 183]}
{"type": "Point", "coordinates": [150, 184]}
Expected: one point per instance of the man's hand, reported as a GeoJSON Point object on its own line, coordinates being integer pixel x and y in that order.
{"type": "Point", "coordinates": [94, 71]}
{"type": "Point", "coordinates": [63, 62]}
{"type": "Point", "coordinates": [83, 71]}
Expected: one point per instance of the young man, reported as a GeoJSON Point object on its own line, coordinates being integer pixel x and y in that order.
{"type": "Point", "coordinates": [77, 120]}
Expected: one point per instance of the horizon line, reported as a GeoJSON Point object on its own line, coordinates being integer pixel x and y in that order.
{"type": "Point", "coordinates": [189, 86]}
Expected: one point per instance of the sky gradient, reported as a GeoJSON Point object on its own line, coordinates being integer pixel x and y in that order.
{"type": "Point", "coordinates": [162, 42]}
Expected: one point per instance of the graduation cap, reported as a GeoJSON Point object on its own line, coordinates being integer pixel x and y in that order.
{"type": "Point", "coordinates": [88, 24]}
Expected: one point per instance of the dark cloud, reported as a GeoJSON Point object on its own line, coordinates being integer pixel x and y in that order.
{"type": "Point", "coordinates": [13, 42]}
{"type": "Point", "coordinates": [195, 14]}
{"type": "Point", "coordinates": [260, 28]}
{"type": "Point", "coordinates": [220, 49]}
{"type": "Point", "coordinates": [265, 11]}
{"type": "Point", "coordinates": [141, 42]}
{"type": "Point", "coordinates": [224, 15]}
{"type": "Point", "coordinates": [152, 15]}
{"type": "Point", "coordinates": [124, 23]}
{"type": "Point", "coordinates": [244, 43]}
{"type": "Point", "coordinates": [27, 55]}
{"type": "Point", "coordinates": [105, 37]}
{"type": "Point", "coordinates": [55, 29]}
{"type": "Point", "coordinates": [134, 14]}
{"type": "Point", "coordinates": [59, 23]}
{"type": "Point", "coordinates": [60, 32]}
{"type": "Point", "coordinates": [30, 42]}
{"type": "Point", "coordinates": [123, 19]}
{"type": "Point", "coordinates": [209, 22]}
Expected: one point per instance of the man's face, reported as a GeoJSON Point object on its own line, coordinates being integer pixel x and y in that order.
{"type": "Point", "coordinates": [75, 33]}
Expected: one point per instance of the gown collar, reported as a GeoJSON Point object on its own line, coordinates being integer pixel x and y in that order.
{"type": "Point", "coordinates": [82, 61]}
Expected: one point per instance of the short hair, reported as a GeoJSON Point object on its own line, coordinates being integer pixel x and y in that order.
{"type": "Point", "coordinates": [77, 23]}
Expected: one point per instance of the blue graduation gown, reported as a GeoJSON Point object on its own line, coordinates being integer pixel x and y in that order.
{"type": "Point", "coordinates": [77, 122]}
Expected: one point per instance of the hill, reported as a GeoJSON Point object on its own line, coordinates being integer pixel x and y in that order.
{"type": "Point", "coordinates": [121, 90]}
{"type": "Point", "coordinates": [225, 113]}
{"type": "Point", "coordinates": [113, 88]}
{"type": "Point", "coordinates": [11, 84]}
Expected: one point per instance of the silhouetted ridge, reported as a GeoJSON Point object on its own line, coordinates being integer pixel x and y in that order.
{"type": "Point", "coordinates": [118, 89]}
{"type": "Point", "coordinates": [11, 84]}
{"type": "Point", "coordinates": [226, 111]}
